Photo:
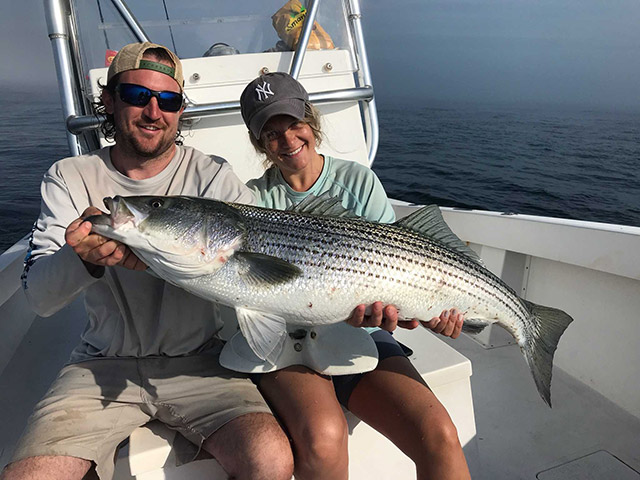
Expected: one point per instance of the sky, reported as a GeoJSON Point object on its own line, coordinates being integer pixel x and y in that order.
{"type": "Point", "coordinates": [583, 52]}
{"type": "Point", "coordinates": [568, 51]}
{"type": "Point", "coordinates": [25, 56]}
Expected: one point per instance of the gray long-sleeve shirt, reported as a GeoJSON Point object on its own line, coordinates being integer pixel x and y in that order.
{"type": "Point", "coordinates": [130, 313]}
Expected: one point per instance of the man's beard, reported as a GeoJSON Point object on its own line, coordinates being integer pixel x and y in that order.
{"type": "Point", "coordinates": [145, 151]}
{"type": "Point", "coordinates": [141, 148]}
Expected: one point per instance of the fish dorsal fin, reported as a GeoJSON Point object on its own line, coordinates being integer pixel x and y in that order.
{"type": "Point", "coordinates": [428, 221]}
{"type": "Point", "coordinates": [265, 333]}
{"type": "Point", "coordinates": [325, 205]}
{"type": "Point", "coordinates": [259, 269]}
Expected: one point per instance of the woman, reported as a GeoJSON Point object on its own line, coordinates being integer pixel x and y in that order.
{"type": "Point", "coordinates": [393, 398]}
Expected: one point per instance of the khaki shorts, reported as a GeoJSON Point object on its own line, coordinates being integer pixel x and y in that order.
{"type": "Point", "coordinates": [93, 406]}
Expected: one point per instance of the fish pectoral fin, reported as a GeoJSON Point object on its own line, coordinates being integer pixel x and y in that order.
{"type": "Point", "coordinates": [260, 269]}
{"type": "Point", "coordinates": [428, 221]}
{"type": "Point", "coordinates": [265, 333]}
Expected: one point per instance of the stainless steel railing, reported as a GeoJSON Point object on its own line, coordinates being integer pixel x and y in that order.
{"type": "Point", "coordinates": [69, 74]}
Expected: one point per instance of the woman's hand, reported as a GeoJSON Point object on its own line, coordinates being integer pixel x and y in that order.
{"type": "Point", "coordinates": [449, 323]}
{"type": "Point", "coordinates": [379, 316]}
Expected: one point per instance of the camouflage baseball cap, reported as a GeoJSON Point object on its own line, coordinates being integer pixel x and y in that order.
{"type": "Point", "coordinates": [130, 58]}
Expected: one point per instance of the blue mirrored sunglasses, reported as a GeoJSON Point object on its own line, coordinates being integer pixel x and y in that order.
{"type": "Point", "coordinates": [140, 96]}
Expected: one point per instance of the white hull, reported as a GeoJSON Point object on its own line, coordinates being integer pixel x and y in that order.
{"type": "Point", "coordinates": [596, 376]}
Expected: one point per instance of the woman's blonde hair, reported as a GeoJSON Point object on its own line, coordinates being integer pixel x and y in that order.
{"type": "Point", "coordinates": [311, 117]}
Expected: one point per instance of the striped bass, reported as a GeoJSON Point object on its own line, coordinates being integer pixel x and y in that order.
{"type": "Point", "coordinates": [313, 264]}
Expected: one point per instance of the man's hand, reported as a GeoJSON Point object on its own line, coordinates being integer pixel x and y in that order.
{"type": "Point", "coordinates": [96, 249]}
{"type": "Point", "coordinates": [449, 323]}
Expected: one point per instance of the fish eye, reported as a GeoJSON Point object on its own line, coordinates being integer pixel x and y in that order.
{"type": "Point", "coordinates": [156, 202]}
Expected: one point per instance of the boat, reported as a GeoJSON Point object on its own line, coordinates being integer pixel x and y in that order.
{"type": "Point", "coordinates": [590, 270]}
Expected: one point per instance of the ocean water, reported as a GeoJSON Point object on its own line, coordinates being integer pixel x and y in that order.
{"type": "Point", "coordinates": [572, 163]}
{"type": "Point", "coordinates": [31, 138]}
{"type": "Point", "coordinates": [561, 162]}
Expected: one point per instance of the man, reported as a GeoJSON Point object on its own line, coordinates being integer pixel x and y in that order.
{"type": "Point", "coordinates": [149, 350]}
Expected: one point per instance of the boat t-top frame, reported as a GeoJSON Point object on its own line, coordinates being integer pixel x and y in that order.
{"type": "Point", "coordinates": [64, 27]}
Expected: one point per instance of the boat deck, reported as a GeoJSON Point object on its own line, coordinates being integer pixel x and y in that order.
{"type": "Point", "coordinates": [584, 436]}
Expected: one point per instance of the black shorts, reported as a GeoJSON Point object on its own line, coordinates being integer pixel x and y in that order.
{"type": "Point", "coordinates": [387, 347]}
{"type": "Point", "coordinates": [344, 384]}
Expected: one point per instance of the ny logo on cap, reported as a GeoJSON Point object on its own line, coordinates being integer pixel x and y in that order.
{"type": "Point", "coordinates": [264, 89]}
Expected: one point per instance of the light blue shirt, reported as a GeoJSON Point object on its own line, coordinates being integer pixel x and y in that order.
{"type": "Point", "coordinates": [357, 186]}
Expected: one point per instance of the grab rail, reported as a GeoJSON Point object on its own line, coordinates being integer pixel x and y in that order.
{"type": "Point", "coordinates": [131, 20]}
{"type": "Point", "coordinates": [77, 124]}
{"type": "Point", "coordinates": [371, 113]}
{"type": "Point", "coordinates": [303, 41]}
{"type": "Point", "coordinates": [56, 16]}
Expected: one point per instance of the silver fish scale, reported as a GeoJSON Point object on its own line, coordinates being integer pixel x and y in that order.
{"type": "Point", "coordinates": [189, 237]}
{"type": "Point", "coordinates": [347, 262]}
{"type": "Point", "coordinates": [193, 224]}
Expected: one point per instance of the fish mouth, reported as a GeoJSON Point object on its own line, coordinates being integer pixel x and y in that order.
{"type": "Point", "coordinates": [109, 203]}
{"type": "Point", "coordinates": [101, 220]}
{"type": "Point", "coordinates": [123, 215]}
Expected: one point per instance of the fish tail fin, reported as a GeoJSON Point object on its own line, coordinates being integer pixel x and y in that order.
{"type": "Point", "coordinates": [547, 326]}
